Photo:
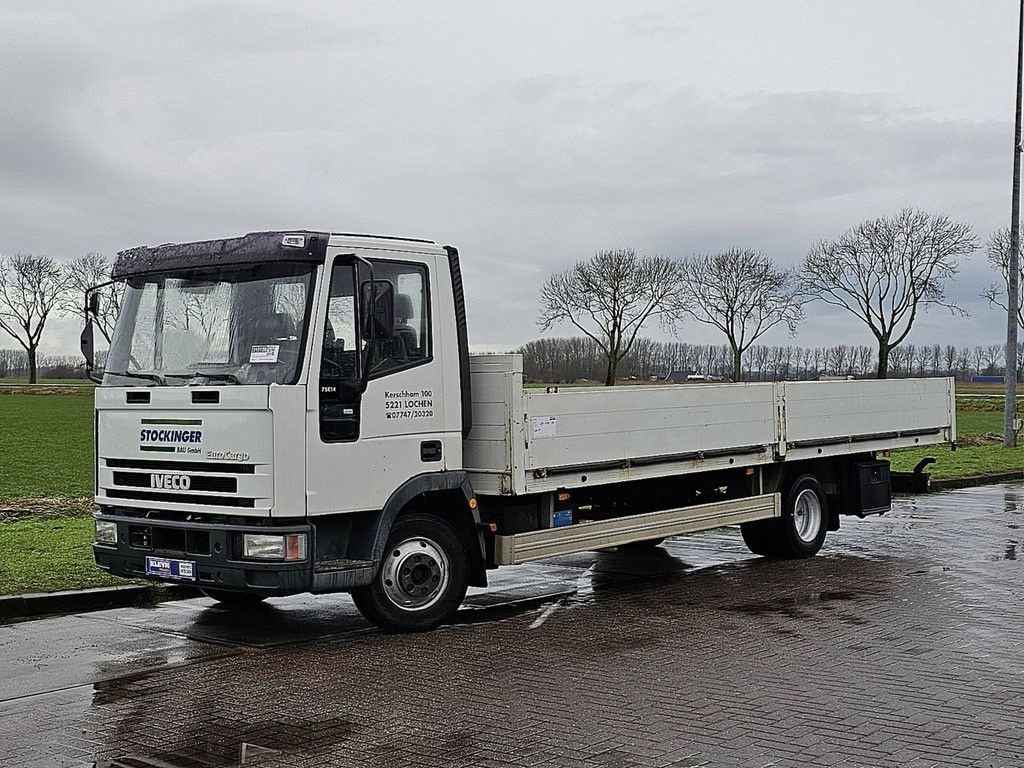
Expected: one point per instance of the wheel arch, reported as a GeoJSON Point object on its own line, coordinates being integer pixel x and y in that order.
{"type": "Point", "coordinates": [449, 497]}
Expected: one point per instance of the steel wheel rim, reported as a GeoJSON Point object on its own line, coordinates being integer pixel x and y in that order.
{"type": "Point", "coordinates": [415, 573]}
{"type": "Point", "coordinates": [807, 515]}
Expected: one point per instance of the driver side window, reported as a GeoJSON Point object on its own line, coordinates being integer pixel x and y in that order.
{"type": "Point", "coordinates": [340, 359]}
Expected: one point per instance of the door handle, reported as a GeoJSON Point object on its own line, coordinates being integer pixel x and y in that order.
{"type": "Point", "coordinates": [430, 450]}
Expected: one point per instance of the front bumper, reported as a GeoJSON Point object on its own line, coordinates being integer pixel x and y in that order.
{"type": "Point", "coordinates": [214, 548]}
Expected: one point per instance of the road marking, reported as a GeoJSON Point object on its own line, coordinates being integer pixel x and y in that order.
{"type": "Point", "coordinates": [544, 616]}
{"type": "Point", "coordinates": [584, 586]}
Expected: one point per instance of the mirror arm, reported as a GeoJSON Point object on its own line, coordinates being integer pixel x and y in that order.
{"type": "Point", "coordinates": [364, 377]}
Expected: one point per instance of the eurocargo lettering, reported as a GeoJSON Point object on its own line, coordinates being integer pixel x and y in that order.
{"type": "Point", "coordinates": [350, 443]}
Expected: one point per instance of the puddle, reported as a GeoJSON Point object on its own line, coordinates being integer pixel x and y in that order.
{"type": "Point", "coordinates": [792, 605]}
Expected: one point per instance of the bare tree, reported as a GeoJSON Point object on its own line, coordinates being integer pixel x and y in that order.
{"type": "Point", "coordinates": [864, 355]}
{"type": "Point", "coordinates": [993, 358]}
{"type": "Point", "coordinates": [609, 298]}
{"type": "Point", "coordinates": [963, 363]}
{"type": "Point", "coordinates": [997, 251]}
{"type": "Point", "coordinates": [885, 270]}
{"type": "Point", "coordinates": [742, 293]}
{"type": "Point", "coordinates": [949, 356]}
{"type": "Point", "coordinates": [84, 273]}
{"type": "Point", "coordinates": [979, 358]}
{"type": "Point", "coordinates": [921, 361]}
{"type": "Point", "coordinates": [936, 361]}
{"type": "Point", "coordinates": [30, 289]}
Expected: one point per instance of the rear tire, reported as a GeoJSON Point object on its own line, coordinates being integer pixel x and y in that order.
{"type": "Point", "coordinates": [759, 536]}
{"type": "Point", "coordinates": [422, 577]}
{"type": "Point", "coordinates": [230, 599]}
{"type": "Point", "coordinates": [801, 530]}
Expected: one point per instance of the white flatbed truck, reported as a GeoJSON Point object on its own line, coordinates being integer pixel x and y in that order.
{"type": "Point", "coordinates": [290, 412]}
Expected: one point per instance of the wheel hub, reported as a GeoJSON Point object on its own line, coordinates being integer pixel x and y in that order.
{"type": "Point", "coordinates": [807, 515]}
{"type": "Point", "coordinates": [415, 573]}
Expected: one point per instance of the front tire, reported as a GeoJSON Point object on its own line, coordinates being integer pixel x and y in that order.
{"type": "Point", "coordinates": [800, 532]}
{"type": "Point", "coordinates": [421, 580]}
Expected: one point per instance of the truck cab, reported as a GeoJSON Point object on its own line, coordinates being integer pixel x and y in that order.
{"type": "Point", "coordinates": [270, 403]}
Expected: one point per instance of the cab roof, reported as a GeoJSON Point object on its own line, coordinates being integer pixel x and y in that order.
{"type": "Point", "coordinates": [255, 247]}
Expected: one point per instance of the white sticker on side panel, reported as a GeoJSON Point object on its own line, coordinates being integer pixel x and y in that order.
{"type": "Point", "coordinates": [544, 426]}
{"type": "Point", "coordinates": [264, 353]}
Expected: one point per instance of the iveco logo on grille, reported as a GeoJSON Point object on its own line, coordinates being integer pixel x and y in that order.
{"type": "Point", "coordinates": [170, 482]}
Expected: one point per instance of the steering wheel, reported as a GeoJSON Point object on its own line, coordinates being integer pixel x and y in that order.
{"type": "Point", "coordinates": [336, 370]}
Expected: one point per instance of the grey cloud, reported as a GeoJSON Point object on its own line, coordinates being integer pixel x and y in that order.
{"type": "Point", "coordinates": [166, 125]}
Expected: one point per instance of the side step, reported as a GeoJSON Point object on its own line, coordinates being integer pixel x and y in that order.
{"type": "Point", "coordinates": [550, 542]}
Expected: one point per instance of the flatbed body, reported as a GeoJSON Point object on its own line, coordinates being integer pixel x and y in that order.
{"type": "Point", "coordinates": [535, 440]}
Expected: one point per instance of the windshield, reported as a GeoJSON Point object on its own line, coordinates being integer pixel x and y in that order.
{"type": "Point", "coordinates": [229, 325]}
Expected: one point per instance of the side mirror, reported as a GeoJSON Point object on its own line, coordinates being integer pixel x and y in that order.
{"type": "Point", "coordinates": [377, 309]}
{"type": "Point", "coordinates": [89, 351]}
{"type": "Point", "coordinates": [93, 305]}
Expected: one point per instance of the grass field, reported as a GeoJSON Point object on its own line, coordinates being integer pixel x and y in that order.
{"type": "Point", "coordinates": [48, 554]}
{"type": "Point", "coordinates": [43, 382]}
{"type": "Point", "coordinates": [980, 449]}
{"type": "Point", "coordinates": [47, 447]}
{"type": "Point", "coordinates": [46, 470]}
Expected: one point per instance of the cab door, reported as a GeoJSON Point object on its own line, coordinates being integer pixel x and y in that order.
{"type": "Point", "coordinates": [363, 445]}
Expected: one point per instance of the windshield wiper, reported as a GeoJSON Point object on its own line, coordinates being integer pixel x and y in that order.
{"type": "Point", "coordinates": [136, 375]}
{"type": "Point", "coordinates": [218, 377]}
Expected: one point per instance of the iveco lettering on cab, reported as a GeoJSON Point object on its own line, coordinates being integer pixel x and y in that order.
{"type": "Point", "coordinates": [174, 482]}
{"type": "Point", "coordinates": [290, 412]}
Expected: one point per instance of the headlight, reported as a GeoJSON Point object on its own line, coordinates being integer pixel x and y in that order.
{"type": "Point", "coordinates": [260, 546]}
{"type": "Point", "coordinates": [106, 533]}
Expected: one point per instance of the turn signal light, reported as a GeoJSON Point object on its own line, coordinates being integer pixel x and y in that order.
{"type": "Point", "coordinates": [295, 546]}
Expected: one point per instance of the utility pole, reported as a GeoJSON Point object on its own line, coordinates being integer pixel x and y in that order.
{"type": "Point", "coordinates": [1013, 273]}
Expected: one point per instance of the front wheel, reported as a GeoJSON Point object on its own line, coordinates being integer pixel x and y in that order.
{"type": "Point", "coordinates": [421, 580]}
{"type": "Point", "coordinates": [800, 532]}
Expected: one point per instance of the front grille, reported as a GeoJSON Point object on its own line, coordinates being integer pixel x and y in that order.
{"type": "Point", "coordinates": [197, 482]}
{"type": "Point", "coordinates": [183, 541]}
{"type": "Point", "coordinates": [182, 498]}
{"type": "Point", "coordinates": [183, 466]}
{"type": "Point", "coordinates": [191, 483]}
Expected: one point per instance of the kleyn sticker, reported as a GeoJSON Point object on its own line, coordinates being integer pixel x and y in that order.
{"type": "Point", "coordinates": [264, 353]}
{"type": "Point", "coordinates": [171, 436]}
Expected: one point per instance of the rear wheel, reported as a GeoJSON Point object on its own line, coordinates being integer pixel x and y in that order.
{"type": "Point", "coordinates": [800, 532]}
{"type": "Point", "coordinates": [234, 599]}
{"type": "Point", "coordinates": [422, 577]}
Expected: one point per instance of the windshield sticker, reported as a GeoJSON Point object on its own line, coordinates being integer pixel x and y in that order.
{"type": "Point", "coordinates": [264, 353]}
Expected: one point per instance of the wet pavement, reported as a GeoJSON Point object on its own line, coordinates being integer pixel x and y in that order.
{"type": "Point", "coordinates": [902, 644]}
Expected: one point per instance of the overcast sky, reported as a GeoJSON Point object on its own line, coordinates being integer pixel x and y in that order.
{"type": "Point", "coordinates": [528, 134]}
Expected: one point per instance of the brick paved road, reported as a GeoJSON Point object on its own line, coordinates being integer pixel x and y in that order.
{"type": "Point", "coordinates": [901, 645]}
